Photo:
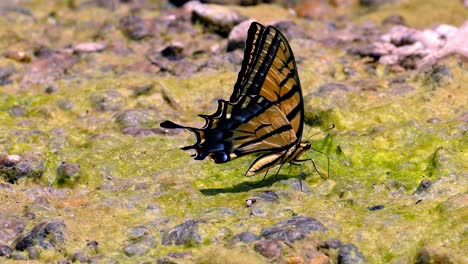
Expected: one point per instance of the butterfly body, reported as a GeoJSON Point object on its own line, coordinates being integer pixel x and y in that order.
{"type": "Point", "coordinates": [265, 113]}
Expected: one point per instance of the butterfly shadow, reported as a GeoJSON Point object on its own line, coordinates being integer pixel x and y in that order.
{"type": "Point", "coordinates": [248, 185]}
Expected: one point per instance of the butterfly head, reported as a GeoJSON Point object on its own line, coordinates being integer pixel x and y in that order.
{"type": "Point", "coordinates": [304, 146]}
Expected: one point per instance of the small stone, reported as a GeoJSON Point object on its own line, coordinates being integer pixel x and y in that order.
{"type": "Point", "coordinates": [350, 254]}
{"type": "Point", "coordinates": [80, 257]}
{"type": "Point", "coordinates": [268, 196]}
{"type": "Point", "coordinates": [290, 29]}
{"type": "Point", "coordinates": [138, 232]}
{"type": "Point", "coordinates": [18, 55]}
{"type": "Point", "coordinates": [238, 35]}
{"type": "Point", "coordinates": [173, 51]}
{"type": "Point", "coordinates": [14, 167]}
{"type": "Point", "coordinates": [216, 18]}
{"type": "Point", "coordinates": [65, 104]}
{"type": "Point", "coordinates": [269, 248]}
{"type": "Point", "coordinates": [5, 251]}
{"type": "Point", "coordinates": [394, 20]}
{"type": "Point", "coordinates": [433, 120]}
{"type": "Point", "coordinates": [437, 75]}
{"type": "Point", "coordinates": [333, 243]}
{"type": "Point", "coordinates": [245, 237]}
{"type": "Point", "coordinates": [134, 27]}
{"type": "Point", "coordinates": [5, 74]}
{"type": "Point", "coordinates": [107, 101]}
{"type": "Point", "coordinates": [292, 229]}
{"type": "Point", "coordinates": [139, 118]}
{"type": "Point", "coordinates": [50, 89]}
{"type": "Point", "coordinates": [183, 234]}
{"type": "Point", "coordinates": [33, 253]}
{"type": "Point", "coordinates": [376, 207]}
{"type": "Point", "coordinates": [145, 89]}
{"type": "Point", "coordinates": [46, 235]}
{"type": "Point", "coordinates": [140, 247]}
{"type": "Point", "coordinates": [320, 259]}
{"type": "Point", "coordinates": [17, 110]}
{"type": "Point", "coordinates": [68, 172]}
{"type": "Point", "coordinates": [331, 87]}
{"type": "Point", "coordinates": [423, 186]}
{"type": "Point", "coordinates": [430, 255]}
{"type": "Point", "coordinates": [89, 47]}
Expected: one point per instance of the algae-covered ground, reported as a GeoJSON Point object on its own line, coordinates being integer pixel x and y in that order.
{"type": "Point", "coordinates": [84, 86]}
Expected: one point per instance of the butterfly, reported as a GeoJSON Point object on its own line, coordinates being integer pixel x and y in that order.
{"type": "Point", "coordinates": [265, 113]}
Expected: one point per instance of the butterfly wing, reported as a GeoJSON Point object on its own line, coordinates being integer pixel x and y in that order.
{"type": "Point", "coordinates": [265, 112]}
{"type": "Point", "coordinates": [251, 125]}
{"type": "Point", "coordinates": [269, 70]}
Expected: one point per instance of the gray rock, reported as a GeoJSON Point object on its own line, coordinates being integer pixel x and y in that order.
{"type": "Point", "coordinates": [293, 229]}
{"type": "Point", "coordinates": [140, 118]}
{"type": "Point", "coordinates": [245, 237]}
{"type": "Point", "coordinates": [331, 88]}
{"type": "Point", "coordinates": [216, 18]}
{"type": "Point", "coordinates": [5, 251]}
{"type": "Point", "coordinates": [47, 235]}
{"type": "Point", "coordinates": [430, 255]}
{"type": "Point", "coordinates": [68, 172]}
{"type": "Point", "coordinates": [333, 243]}
{"type": "Point", "coordinates": [268, 196]}
{"type": "Point", "coordinates": [423, 186]}
{"type": "Point", "coordinates": [134, 27]}
{"type": "Point", "coordinates": [14, 167]}
{"type": "Point", "coordinates": [17, 111]}
{"type": "Point", "coordinates": [10, 227]}
{"type": "Point", "coordinates": [238, 35]}
{"type": "Point", "coordinates": [350, 254]}
{"type": "Point", "coordinates": [269, 248]}
{"type": "Point", "coordinates": [5, 74]}
{"type": "Point", "coordinates": [183, 234]}
{"type": "Point", "coordinates": [140, 247]}
{"type": "Point", "coordinates": [107, 101]}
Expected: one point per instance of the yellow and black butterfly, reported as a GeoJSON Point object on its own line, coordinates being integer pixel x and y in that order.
{"type": "Point", "coordinates": [265, 113]}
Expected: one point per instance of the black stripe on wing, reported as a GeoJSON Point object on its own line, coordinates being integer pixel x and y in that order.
{"type": "Point", "coordinates": [252, 48]}
{"type": "Point", "coordinates": [218, 139]}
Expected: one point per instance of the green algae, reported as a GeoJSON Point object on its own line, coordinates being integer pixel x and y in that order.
{"type": "Point", "coordinates": [380, 150]}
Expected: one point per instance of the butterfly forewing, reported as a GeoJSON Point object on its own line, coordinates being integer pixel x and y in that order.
{"type": "Point", "coordinates": [271, 73]}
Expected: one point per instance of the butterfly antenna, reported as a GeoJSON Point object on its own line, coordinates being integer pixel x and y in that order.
{"type": "Point", "coordinates": [310, 127]}
{"type": "Point", "coordinates": [330, 128]}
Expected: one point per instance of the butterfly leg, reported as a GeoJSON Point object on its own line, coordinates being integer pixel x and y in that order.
{"type": "Point", "coordinates": [258, 183]}
{"type": "Point", "coordinates": [276, 175]}
{"type": "Point", "coordinates": [328, 160]}
{"type": "Point", "coordinates": [296, 163]}
{"type": "Point", "coordinates": [313, 163]}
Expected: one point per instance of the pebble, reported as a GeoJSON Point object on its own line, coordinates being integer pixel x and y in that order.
{"type": "Point", "coordinates": [138, 118]}
{"type": "Point", "coordinates": [47, 235]}
{"type": "Point", "coordinates": [107, 101]}
{"type": "Point", "coordinates": [423, 186]}
{"type": "Point", "coordinates": [350, 254]}
{"type": "Point", "coordinates": [134, 27]}
{"type": "Point", "coordinates": [245, 237]}
{"type": "Point", "coordinates": [269, 248]}
{"type": "Point", "coordinates": [5, 251]}
{"type": "Point", "coordinates": [183, 234]}
{"type": "Point", "coordinates": [15, 167]}
{"type": "Point", "coordinates": [292, 229]}
{"type": "Point", "coordinates": [216, 18]}
{"type": "Point", "coordinates": [68, 172]}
